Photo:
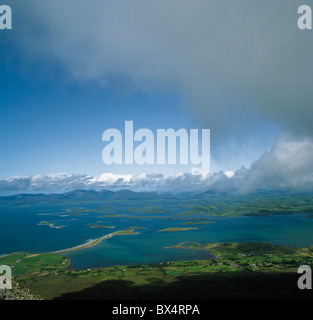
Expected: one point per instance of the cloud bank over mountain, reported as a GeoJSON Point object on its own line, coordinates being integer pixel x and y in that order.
{"type": "Point", "coordinates": [285, 167]}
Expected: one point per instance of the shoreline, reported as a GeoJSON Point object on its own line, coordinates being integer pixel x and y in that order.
{"type": "Point", "coordinates": [88, 244]}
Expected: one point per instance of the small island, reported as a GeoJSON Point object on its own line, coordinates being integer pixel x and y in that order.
{"type": "Point", "coordinates": [51, 225]}
{"type": "Point", "coordinates": [196, 222]}
{"type": "Point", "coordinates": [110, 215]}
{"type": "Point", "coordinates": [125, 232]}
{"type": "Point", "coordinates": [99, 226]}
{"type": "Point", "coordinates": [176, 229]}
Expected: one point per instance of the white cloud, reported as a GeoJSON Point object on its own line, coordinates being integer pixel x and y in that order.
{"type": "Point", "coordinates": [229, 173]}
{"type": "Point", "coordinates": [287, 165]}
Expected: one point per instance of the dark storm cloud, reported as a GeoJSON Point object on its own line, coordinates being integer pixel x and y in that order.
{"type": "Point", "coordinates": [234, 61]}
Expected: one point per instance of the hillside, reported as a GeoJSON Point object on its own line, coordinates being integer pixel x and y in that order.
{"type": "Point", "coordinates": [18, 292]}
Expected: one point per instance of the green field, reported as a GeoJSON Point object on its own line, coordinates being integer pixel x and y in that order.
{"type": "Point", "coordinates": [256, 205]}
{"type": "Point", "coordinates": [254, 270]}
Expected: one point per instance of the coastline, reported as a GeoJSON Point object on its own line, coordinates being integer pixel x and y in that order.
{"type": "Point", "coordinates": [88, 244]}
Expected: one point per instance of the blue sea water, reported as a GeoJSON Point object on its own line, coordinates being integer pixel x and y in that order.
{"type": "Point", "coordinates": [20, 230]}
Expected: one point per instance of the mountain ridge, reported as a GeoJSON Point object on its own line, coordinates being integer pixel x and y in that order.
{"type": "Point", "coordinates": [78, 195]}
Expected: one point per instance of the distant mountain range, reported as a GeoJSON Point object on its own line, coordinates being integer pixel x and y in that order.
{"type": "Point", "coordinates": [92, 195]}
{"type": "Point", "coordinates": [79, 195]}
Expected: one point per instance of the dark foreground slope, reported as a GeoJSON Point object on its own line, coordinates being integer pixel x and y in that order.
{"type": "Point", "coordinates": [214, 286]}
{"type": "Point", "coordinates": [19, 292]}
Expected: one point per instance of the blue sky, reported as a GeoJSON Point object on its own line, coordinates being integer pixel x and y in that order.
{"type": "Point", "coordinates": [50, 124]}
{"type": "Point", "coordinates": [66, 77]}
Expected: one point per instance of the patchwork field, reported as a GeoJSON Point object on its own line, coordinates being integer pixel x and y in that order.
{"type": "Point", "coordinates": [238, 271]}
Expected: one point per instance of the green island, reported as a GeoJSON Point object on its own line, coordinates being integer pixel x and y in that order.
{"type": "Point", "coordinates": [134, 228]}
{"type": "Point", "coordinates": [155, 209]}
{"type": "Point", "coordinates": [99, 226]}
{"type": "Point", "coordinates": [127, 232]}
{"type": "Point", "coordinates": [51, 225]}
{"type": "Point", "coordinates": [251, 270]}
{"type": "Point", "coordinates": [196, 222]}
{"type": "Point", "coordinates": [176, 229]}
